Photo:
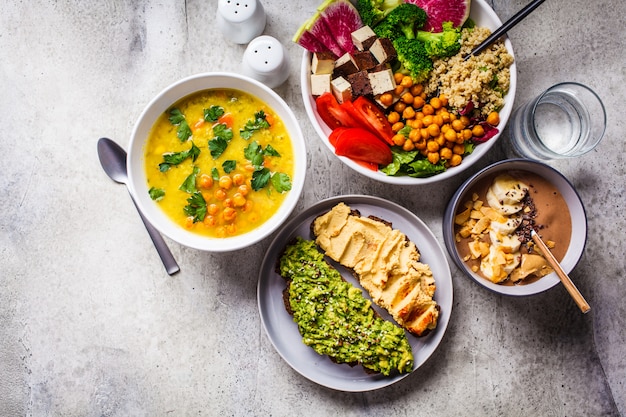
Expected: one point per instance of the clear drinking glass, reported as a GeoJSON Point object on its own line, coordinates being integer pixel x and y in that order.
{"type": "Point", "coordinates": [565, 121]}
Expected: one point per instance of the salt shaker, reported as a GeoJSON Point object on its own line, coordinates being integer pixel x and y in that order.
{"type": "Point", "coordinates": [240, 21]}
{"type": "Point", "coordinates": [265, 59]}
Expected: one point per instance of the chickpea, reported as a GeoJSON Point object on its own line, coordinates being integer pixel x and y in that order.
{"type": "Point", "coordinates": [457, 125]}
{"type": "Point", "coordinates": [225, 182]}
{"type": "Point", "coordinates": [445, 117]}
{"type": "Point", "coordinates": [205, 181]}
{"type": "Point", "coordinates": [449, 134]}
{"type": "Point", "coordinates": [424, 133]}
{"type": "Point", "coordinates": [399, 106]}
{"type": "Point", "coordinates": [420, 144]}
{"type": "Point", "coordinates": [432, 146]}
{"type": "Point", "coordinates": [220, 194]}
{"type": "Point", "coordinates": [428, 120]}
{"type": "Point", "coordinates": [231, 229]}
{"type": "Point", "coordinates": [393, 117]}
{"type": "Point", "coordinates": [386, 99]}
{"type": "Point", "coordinates": [408, 146]}
{"type": "Point", "coordinates": [418, 102]}
{"type": "Point", "coordinates": [444, 100]}
{"type": "Point", "coordinates": [441, 141]}
{"type": "Point", "coordinates": [493, 118]}
{"type": "Point", "coordinates": [438, 120]}
{"type": "Point", "coordinates": [467, 134]}
{"type": "Point", "coordinates": [229, 214]}
{"type": "Point", "coordinates": [433, 130]}
{"type": "Point", "coordinates": [415, 135]}
{"type": "Point", "coordinates": [408, 113]}
{"type": "Point", "coordinates": [455, 160]}
{"type": "Point", "coordinates": [210, 221]}
{"type": "Point", "coordinates": [189, 222]}
{"type": "Point", "coordinates": [212, 209]}
{"type": "Point", "coordinates": [478, 131]}
{"type": "Point", "coordinates": [397, 126]}
{"type": "Point", "coordinates": [465, 120]}
{"type": "Point", "coordinates": [398, 76]}
{"type": "Point", "coordinates": [433, 157]}
{"type": "Point", "coordinates": [399, 139]}
{"type": "Point", "coordinates": [238, 179]}
{"type": "Point", "coordinates": [407, 98]}
{"type": "Point", "coordinates": [416, 89]}
{"type": "Point", "coordinates": [445, 153]}
{"type": "Point", "coordinates": [239, 200]}
{"type": "Point", "coordinates": [228, 202]}
{"type": "Point", "coordinates": [398, 90]}
{"type": "Point", "coordinates": [243, 189]}
{"type": "Point", "coordinates": [458, 149]}
{"type": "Point", "coordinates": [406, 82]}
{"type": "Point", "coordinates": [436, 103]}
{"type": "Point", "coordinates": [417, 123]}
{"type": "Point", "coordinates": [428, 109]}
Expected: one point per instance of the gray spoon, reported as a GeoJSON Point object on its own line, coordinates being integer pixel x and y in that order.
{"type": "Point", "coordinates": [113, 160]}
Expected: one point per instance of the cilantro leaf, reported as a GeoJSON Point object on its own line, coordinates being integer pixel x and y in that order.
{"type": "Point", "coordinates": [196, 207]}
{"type": "Point", "coordinates": [215, 174]}
{"type": "Point", "coordinates": [189, 185]}
{"type": "Point", "coordinates": [177, 118]}
{"type": "Point", "coordinates": [270, 151]}
{"type": "Point", "coordinates": [217, 146]}
{"type": "Point", "coordinates": [254, 153]}
{"type": "Point", "coordinates": [229, 166]}
{"type": "Point", "coordinates": [260, 178]}
{"type": "Point", "coordinates": [213, 113]}
{"type": "Point", "coordinates": [222, 135]}
{"type": "Point", "coordinates": [175, 158]}
{"type": "Point", "coordinates": [259, 122]}
{"type": "Point", "coordinates": [156, 194]}
{"type": "Point", "coordinates": [281, 182]}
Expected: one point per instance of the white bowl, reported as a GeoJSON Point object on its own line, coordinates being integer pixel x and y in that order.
{"type": "Point", "coordinates": [483, 16]}
{"type": "Point", "coordinates": [566, 189]}
{"type": "Point", "coordinates": [162, 102]}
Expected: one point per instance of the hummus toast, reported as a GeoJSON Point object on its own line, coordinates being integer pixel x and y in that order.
{"type": "Point", "coordinates": [386, 263]}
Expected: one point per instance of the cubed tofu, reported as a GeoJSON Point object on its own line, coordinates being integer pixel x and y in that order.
{"type": "Point", "coordinates": [341, 89]}
{"type": "Point", "coordinates": [360, 82]}
{"type": "Point", "coordinates": [320, 84]}
{"type": "Point", "coordinates": [364, 61]}
{"type": "Point", "coordinates": [382, 81]}
{"type": "Point", "coordinates": [322, 63]}
{"type": "Point", "coordinates": [382, 49]}
{"type": "Point", "coordinates": [363, 38]}
{"type": "Point", "coordinates": [344, 66]}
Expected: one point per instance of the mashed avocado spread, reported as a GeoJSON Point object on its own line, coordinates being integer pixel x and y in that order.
{"type": "Point", "coordinates": [335, 319]}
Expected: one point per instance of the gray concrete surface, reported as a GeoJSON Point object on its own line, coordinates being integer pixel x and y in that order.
{"type": "Point", "coordinates": [90, 324]}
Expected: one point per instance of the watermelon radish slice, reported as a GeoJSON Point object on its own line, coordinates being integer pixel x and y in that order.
{"type": "Point", "coordinates": [322, 32]}
{"type": "Point", "coordinates": [309, 42]}
{"type": "Point", "coordinates": [439, 11]}
{"type": "Point", "coordinates": [342, 18]}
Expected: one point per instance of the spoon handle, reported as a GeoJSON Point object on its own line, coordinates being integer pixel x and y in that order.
{"type": "Point", "coordinates": [565, 279]}
{"type": "Point", "coordinates": [171, 266]}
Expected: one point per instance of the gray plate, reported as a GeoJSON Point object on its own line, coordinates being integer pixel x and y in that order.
{"type": "Point", "coordinates": [283, 332]}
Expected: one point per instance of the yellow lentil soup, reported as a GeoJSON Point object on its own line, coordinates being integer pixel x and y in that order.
{"type": "Point", "coordinates": [219, 162]}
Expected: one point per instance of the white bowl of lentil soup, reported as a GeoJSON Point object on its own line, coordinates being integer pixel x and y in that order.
{"type": "Point", "coordinates": [487, 225]}
{"type": "Point", "coordinates": [217, 161]}
{"type": "Point", "coordinates": [446, 85]}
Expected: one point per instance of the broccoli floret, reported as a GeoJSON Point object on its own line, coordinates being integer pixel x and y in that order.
{"type": "Point", "coordinates": [407, 18]}
{"type": "Point", "coordinates": [413, 58]}
{"type": "Point", "coordinates": [373, 11]}
{"type": "Point", "coordinates": [442, 44]}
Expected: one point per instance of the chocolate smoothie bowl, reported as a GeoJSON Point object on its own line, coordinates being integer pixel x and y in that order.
{"type": "Point", "coordinates": [488, 221]}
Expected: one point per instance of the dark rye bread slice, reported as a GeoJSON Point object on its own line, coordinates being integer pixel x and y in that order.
{"type": "Point", "coordinates": [407, 289]}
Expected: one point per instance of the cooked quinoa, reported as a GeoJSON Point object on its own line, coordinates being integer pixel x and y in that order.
{"type": "Point", "coordinates": [483, 79]}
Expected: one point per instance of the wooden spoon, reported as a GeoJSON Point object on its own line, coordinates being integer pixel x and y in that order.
{"type": "Point", "coordinates": [565, 279]}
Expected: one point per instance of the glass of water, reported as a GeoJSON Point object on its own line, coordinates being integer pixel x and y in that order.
{"type": "Point", "coordinates": [565, 121]}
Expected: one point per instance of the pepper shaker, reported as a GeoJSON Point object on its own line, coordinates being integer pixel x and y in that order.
{"type": "Point", "coordinates": [265, 59]}
{"type": "Point", "coordinates": [240, 20]}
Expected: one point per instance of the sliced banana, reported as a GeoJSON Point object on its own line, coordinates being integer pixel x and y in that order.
{"type": "Point", "coordinates": [506, 194]}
